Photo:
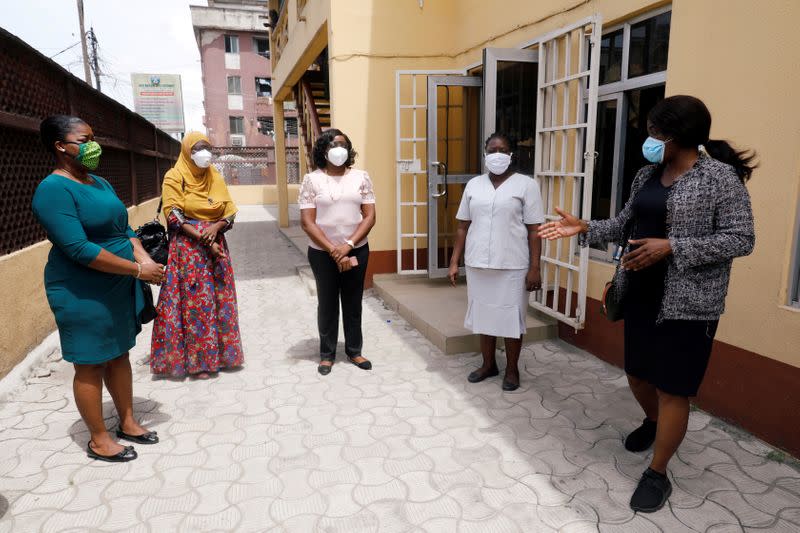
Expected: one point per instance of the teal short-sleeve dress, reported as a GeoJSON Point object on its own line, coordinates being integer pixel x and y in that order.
{"type": "Point", "coordinates": [97, 313]}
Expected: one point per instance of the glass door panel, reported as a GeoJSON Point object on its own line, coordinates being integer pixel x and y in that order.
{"type": "Point", "coordinates": [454, 157]}
{"type": "Point", "coordinates": [510, 93]}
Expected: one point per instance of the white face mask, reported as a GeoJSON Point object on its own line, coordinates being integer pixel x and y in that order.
{"type": "Point", "coordinates": [338, 156]}
{"type": "Point", "coordinates": [497, 163]}
{"type": "Point", "coordinates": [202, 158]}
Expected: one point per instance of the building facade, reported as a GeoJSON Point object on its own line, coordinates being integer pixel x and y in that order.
{"type": "Point", "coordinates": [234, 52]}
{"type": "Point", "coordinates": [418, 85]}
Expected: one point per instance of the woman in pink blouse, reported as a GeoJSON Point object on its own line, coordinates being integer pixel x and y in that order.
{"type": "Point", "coordinates": [337, 212]}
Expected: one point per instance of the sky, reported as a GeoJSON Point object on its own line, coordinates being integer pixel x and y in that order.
{"type": "Point", "coordinates": [149, 36]}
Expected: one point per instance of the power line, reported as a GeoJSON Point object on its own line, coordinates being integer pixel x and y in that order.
{"type": "Point", "coordinates": [65, 49]}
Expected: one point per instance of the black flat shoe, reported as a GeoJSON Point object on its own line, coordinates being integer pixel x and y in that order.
{"type": "Point", "coordinates": [477, 376]}
{"type": "Point", "coordinates": [324, 369]}
{"type": "Point", "coordinates": [652, 492]}
{"type": "Point", "coordinates": [509, 386]}
{"type": "Point", "coordinates": [363, 365]}
{"type": "Point", "coordinates": [127, 454]}
{"type": "Point", "coordinates": [642, 437]}
{"type": "Point", "coordinates": [151, 437]}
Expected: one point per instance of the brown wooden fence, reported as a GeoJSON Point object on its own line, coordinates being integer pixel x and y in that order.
{"type": "Point", "coordinates": [136, 154]}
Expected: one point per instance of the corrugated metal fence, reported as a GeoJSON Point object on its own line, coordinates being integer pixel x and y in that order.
{"type": "Point", "coordinates": [135, 153]}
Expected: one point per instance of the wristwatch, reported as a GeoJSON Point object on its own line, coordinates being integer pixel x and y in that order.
{"type": "Point", "coordinates": [350, 243]}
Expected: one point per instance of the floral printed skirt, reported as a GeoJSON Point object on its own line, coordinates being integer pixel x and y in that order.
{"type": "Point", "coordinates": [197, 328]}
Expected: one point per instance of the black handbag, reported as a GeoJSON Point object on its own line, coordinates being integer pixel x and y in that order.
{"type": "Point", "coordinates": [155, 239]}
{"type": "Point", "coordinates": [613, 302]}
{"type": "Point", "coordinates": [614, 295]}
{"type": "Point", "coordinates": [149, 312]}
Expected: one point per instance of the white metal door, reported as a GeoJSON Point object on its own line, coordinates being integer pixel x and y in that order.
{"type": "Point", "coordinates": [491, 58]}
{"type": "Point", "coordinates": [412, 177]}
{"type": "Point", "coordinates": [454, 157]}
{"type": "Point", "coordinates": [564, 161]}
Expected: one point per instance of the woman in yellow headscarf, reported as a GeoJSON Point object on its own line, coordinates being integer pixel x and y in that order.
{"type": "Point", "coordinates": [197, 328]}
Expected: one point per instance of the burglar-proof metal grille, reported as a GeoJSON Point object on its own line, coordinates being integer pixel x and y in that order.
{"type": "Point", "coordinates": [253, 165]}
{"type": "Point", "coordinates": [33, 87]}
{"type": "Point", "coordinates": [147, 176]}
{"type": "Point", "coordinates": [23, 164]}
{"type": "Point", "coordinates": [115, 166]}
{"type": "Point", "coordinates": [565, 128]}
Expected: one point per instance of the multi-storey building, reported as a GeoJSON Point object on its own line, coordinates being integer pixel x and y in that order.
{"type": "Point", "coordinates": [235, 53]}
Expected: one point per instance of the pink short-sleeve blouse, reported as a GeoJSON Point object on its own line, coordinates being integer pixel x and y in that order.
{"type": "Point", "coordinates": [338, 201]}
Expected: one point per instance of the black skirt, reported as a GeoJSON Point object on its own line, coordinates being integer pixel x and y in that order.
{"type": "Point", "coordinates": [672, 355]}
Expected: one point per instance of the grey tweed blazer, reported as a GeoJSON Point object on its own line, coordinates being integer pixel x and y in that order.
{"type": "Point", "coordinates": [709, 222]}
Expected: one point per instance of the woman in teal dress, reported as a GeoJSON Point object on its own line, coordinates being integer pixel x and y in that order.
{"type": "Point", "coordinates": [93, 282]}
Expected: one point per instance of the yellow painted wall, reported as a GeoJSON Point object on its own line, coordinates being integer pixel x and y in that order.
{"type": "Point", "coordinates": [370, 41]}
{"type": "Point", "coordinates": [260, 194]}
{"type": "Point", "coordinates": [28, 320]}
{"type": "Point", "coordinates": [746, 70]}
{"type": "Point", "coordinates": [739, 56]}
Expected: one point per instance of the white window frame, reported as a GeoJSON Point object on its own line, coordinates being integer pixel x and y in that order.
{"type": "Point", "coordinates": [618, 162]}
{"type": "Point", "coordinates": [233, 39]}
{"type": "Point", "coordinates": [230, 78]}
{"type": "Point", "coordinates": [617, 90]}
{"type": "Point", "coordinates": [230, 129]}
{"type": "Point", "coordinates": [255, 46]}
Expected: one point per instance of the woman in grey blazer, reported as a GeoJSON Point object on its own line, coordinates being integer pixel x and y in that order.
{"type": "Point", "coordinates": [687, 217]}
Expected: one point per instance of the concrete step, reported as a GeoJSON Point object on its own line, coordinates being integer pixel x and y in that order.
{"type": "Point", "coordinates": [437, 310]}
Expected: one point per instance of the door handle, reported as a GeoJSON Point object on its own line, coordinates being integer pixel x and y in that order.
{"type": "Point", "coordinates": [440, 193]}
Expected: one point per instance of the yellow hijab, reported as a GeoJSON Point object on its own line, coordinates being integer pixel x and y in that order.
{"type": "Point", "coordinates": [200, 193]}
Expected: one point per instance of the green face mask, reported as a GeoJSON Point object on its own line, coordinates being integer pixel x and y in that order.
{"type": "Point", "coordinates": [88, 154]}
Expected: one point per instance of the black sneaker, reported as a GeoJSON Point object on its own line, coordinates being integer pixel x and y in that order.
{"type": "Point", "coordinates": [642, 437]}
{"type": "Point", "coordinates": [652, 492]}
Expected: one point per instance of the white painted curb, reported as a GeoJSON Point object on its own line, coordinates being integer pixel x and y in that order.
{"type": "Point", "coordinates": [22, 371]}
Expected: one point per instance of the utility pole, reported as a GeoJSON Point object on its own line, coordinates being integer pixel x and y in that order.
{"type": "Point", "coordinates": [86, 75]}
{"type": "Point", "coordinates": [95, 63]}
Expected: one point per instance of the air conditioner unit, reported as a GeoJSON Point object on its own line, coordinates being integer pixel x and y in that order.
{"type": "Point", "coordinates": [237, 140]}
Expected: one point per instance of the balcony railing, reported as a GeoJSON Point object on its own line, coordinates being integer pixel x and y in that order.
{"type": "Point", "coordinates": [280, 34]}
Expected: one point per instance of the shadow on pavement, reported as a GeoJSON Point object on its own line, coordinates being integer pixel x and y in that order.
{"type": "Point", "coordinates": [252, 248]}
{"type": "Point", "coordinates": [146, 411]}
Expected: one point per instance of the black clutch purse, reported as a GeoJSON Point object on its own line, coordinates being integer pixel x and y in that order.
{"type": "Point", "coordinates": [149, 312]}
{"type": "Point", "coordinates": [154, 239]}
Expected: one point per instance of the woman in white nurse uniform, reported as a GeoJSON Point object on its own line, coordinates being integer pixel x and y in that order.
{"type": "Point", "coordinates": [499, 216]}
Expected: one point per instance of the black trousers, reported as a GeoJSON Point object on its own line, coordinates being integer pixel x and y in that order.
{"type": "Point", "coordinates": [332, 286]}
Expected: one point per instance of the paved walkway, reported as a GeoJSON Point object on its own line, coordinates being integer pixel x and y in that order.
{"type": "Point", "coordinates": [410, 446]}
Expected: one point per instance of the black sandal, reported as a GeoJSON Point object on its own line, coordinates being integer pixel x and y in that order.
{"type": "Point", "coordinates": [363, 365]}
{"type": "Point", "coordinates": [477, 376]}
{"type": "Point", "coordinates": [127, 454]}
{"type": "Point", "coordinates": [151, 437]}
{"type": "Point", "coordinates": [325, 369]}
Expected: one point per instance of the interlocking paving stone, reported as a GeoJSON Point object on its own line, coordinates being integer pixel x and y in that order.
{"type": "Point", "coordinates": [408, 447]}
